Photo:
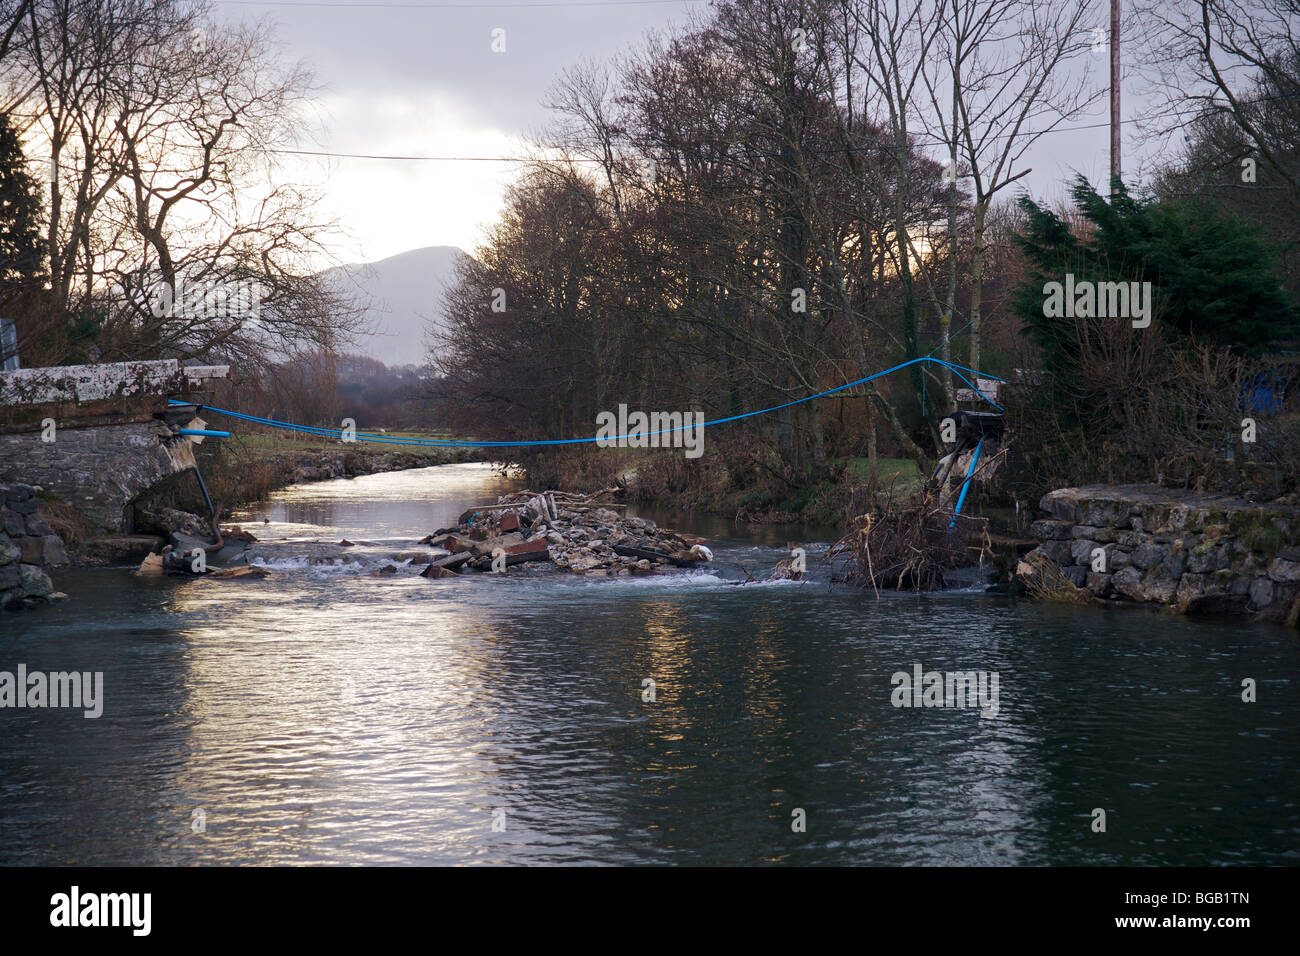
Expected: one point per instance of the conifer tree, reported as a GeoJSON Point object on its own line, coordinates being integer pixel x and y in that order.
{"type": "Point", "coordinates": [22, 256]}
{"type": "Point", "coordinates": [1215, 278]}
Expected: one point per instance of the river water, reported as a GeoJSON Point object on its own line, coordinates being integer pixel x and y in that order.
{"type": "Point", "coordinates": [327, 716]}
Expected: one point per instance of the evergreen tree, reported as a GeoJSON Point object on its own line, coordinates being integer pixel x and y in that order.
{"type": "Point", "coordinates": [1215, 278]}
{"type": "Point", "coordinates": [22, 251]}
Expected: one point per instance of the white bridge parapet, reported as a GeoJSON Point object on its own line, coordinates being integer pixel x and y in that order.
{"type": "Point", "coordinates": [91, 383]}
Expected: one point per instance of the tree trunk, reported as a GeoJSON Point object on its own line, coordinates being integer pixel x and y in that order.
{"type": "Point", "coordinates": [976, 281]}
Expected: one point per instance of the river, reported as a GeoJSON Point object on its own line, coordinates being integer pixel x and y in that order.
{"type": "Point", "coordinates": [325, 716]}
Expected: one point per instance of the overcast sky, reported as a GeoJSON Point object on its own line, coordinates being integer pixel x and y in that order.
{"type": "Point", "coordinates": [420, 78]}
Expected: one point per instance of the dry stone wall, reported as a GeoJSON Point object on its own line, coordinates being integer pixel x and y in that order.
{"type": "Point", "coordinates": [1199, 553]}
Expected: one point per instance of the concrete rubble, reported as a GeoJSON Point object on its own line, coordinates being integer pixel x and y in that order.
{"type": "Point", "coordinates": [576, 533]}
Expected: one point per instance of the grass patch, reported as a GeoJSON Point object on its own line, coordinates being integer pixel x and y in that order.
{"type": "Point", "coordinates": [902, 473]}
{"type": "Point", "coordinates": [1048, 583]}
{"type": "Point", "coordinates": [283, 441]}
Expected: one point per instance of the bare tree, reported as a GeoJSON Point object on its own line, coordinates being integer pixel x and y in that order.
{"type": "Point", "coordinates": [12, 13]}
{"type": "Point", "coordinates": [1221, 58]}
{"type": "Point", "coordinates": [161, 128]}
{"type": "Point", "coordinates": [1007, 73]}
{"type": "Point", "coordinates": [890, 44]}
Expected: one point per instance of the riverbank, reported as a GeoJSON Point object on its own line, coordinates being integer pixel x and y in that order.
{"type": "Point", "coordinates": [245, 469]}
{"type": "Point", "coordinates": [237, 472]}
{"type": "Point", "coordinates": [740, 481]}
{"type": "Point", "coordinates": [1194, 553]}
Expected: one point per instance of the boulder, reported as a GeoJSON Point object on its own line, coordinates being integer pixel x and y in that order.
{"type": "Point", "coordinates": [503, 541]}
{"type": "Point", "coordinates": [1098, 584]}
{"type": "Point", "coordinates": [32, 549]}
{"type": "Point", "coordinates": [37, 526]}
{"type": "Point", "coordinates": [53, 553]}
{"type": "Point", "coordinates": [416, 556]}
{"type": "Point", "coordinates": [1081, 550]}
{"type": "Point", "coordinates": [186, 543]}
{"type": "Point", "coordinates": [34, 581]}
{"type": "Point", "coordinates": [1128, 582]}
{"type": "Point", "coordinates": [1283, 570]}
{"type": "Point", "coordinates": [233, 552]}
{"type": "Point", "coordinates": [1058, 552]}
{"type": "Point", "coordinates": [1261, 592]}
{"type": "Point", "coordinates": [449, 561]}
{"type": "Point", "coordinates": [1159, 586]}
{"type": "Point", "coordinates": [1175, 562]}
{"type": "Point", "coordinates": [1146, 555]}
{"type": "Point", "coordinates": [1049, 529]}
{"type": "Point", "coordinates": [1207, 557]}
{"type": "Point", "coordinates": [433, 573]}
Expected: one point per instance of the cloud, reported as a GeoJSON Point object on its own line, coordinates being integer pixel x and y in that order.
{"type": "Point", "coordinates": [426, 82]}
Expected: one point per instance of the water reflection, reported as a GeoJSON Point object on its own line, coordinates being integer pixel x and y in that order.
{"type": "Point", "coordinates": [325, 716]}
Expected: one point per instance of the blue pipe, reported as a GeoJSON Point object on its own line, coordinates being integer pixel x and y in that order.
{"type": "Point", "coordinates": [965, 485]}
{"type": "Point", "coordinates": [441, 443]}
{"type": "Point", "coordinates": [205, 432]}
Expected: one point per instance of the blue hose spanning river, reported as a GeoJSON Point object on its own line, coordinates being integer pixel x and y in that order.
{"type": "Point", "coordinates": [325, 715]}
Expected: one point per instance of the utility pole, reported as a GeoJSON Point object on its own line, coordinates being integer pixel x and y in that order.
{"type": "Point", "coordinates": [1114, 89]}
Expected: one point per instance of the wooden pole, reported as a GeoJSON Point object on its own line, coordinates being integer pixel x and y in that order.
{"type": "Point", "coordinates": [1114, 90]}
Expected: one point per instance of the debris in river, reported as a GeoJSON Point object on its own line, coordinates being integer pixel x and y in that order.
{"type": "Point", "coordinates": [580, 534]}
{"type": "Point", "coordinates": [152, 564]}
{"type": "Point", "coordinates": [435, 571]}
{"type": "Point", "coordinates": [784, 571]}
{"type": "Point", "coordinates": [250, 572]}
{"type": "Point", "coordinates": [450, 563]}
{"type": "Point", "coordinates": [908, 547]}
{"type": "Point", "coordinates": [172, 561]}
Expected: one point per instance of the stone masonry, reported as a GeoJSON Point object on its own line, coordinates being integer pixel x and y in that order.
{"type": "Point", "coordinates": [28, 546]}
{"type": "Point", "coordinates": [1199, 553]}
{"type": "Point", "coordinates": [99, 470]}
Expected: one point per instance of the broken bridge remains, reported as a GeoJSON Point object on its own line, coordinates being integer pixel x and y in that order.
{"type": "Point", "coordinates": [99, 436]}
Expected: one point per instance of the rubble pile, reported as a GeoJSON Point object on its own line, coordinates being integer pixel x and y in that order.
{"type": "Point", "coordinates": [577, 533]}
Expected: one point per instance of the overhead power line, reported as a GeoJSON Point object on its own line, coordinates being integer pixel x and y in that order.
{"type": "Point", "coordinates": [330, 154]}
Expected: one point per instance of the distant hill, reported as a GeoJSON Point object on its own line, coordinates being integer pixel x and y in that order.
{"type": "Point", "coordinates": [403, 291]}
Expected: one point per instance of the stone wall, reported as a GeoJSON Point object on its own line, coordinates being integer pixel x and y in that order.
{"type": "Point", "coordinates": [1199, 553]}
{"type": "Point", "coordinates": [28, 546]}
{"type": "Point", "coordinates": [97, 470]}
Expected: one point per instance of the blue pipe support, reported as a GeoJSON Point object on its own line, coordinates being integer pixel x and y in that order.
{"type": "Point", "coordinates": [965, 485]}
